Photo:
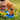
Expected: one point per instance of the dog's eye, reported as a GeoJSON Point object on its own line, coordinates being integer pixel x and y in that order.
{"type": "Point", "coordinates": [11, 9]}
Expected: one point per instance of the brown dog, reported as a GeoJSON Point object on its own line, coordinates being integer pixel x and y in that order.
{"type": "Point", "coordinates": [10, 7]}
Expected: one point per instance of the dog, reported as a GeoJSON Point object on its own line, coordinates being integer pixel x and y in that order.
{"type": "Point", "coordinates": [11, 7]}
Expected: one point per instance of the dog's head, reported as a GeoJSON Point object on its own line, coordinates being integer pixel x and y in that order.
{"type": "Point", "coordinates": [9, 5]}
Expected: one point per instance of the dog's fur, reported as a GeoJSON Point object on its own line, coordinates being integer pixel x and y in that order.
{"type": "Point", "coordinates": [9, 6]}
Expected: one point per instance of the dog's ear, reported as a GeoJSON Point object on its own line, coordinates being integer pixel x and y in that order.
{"type": "Point", "coordinates": [8, 5]}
